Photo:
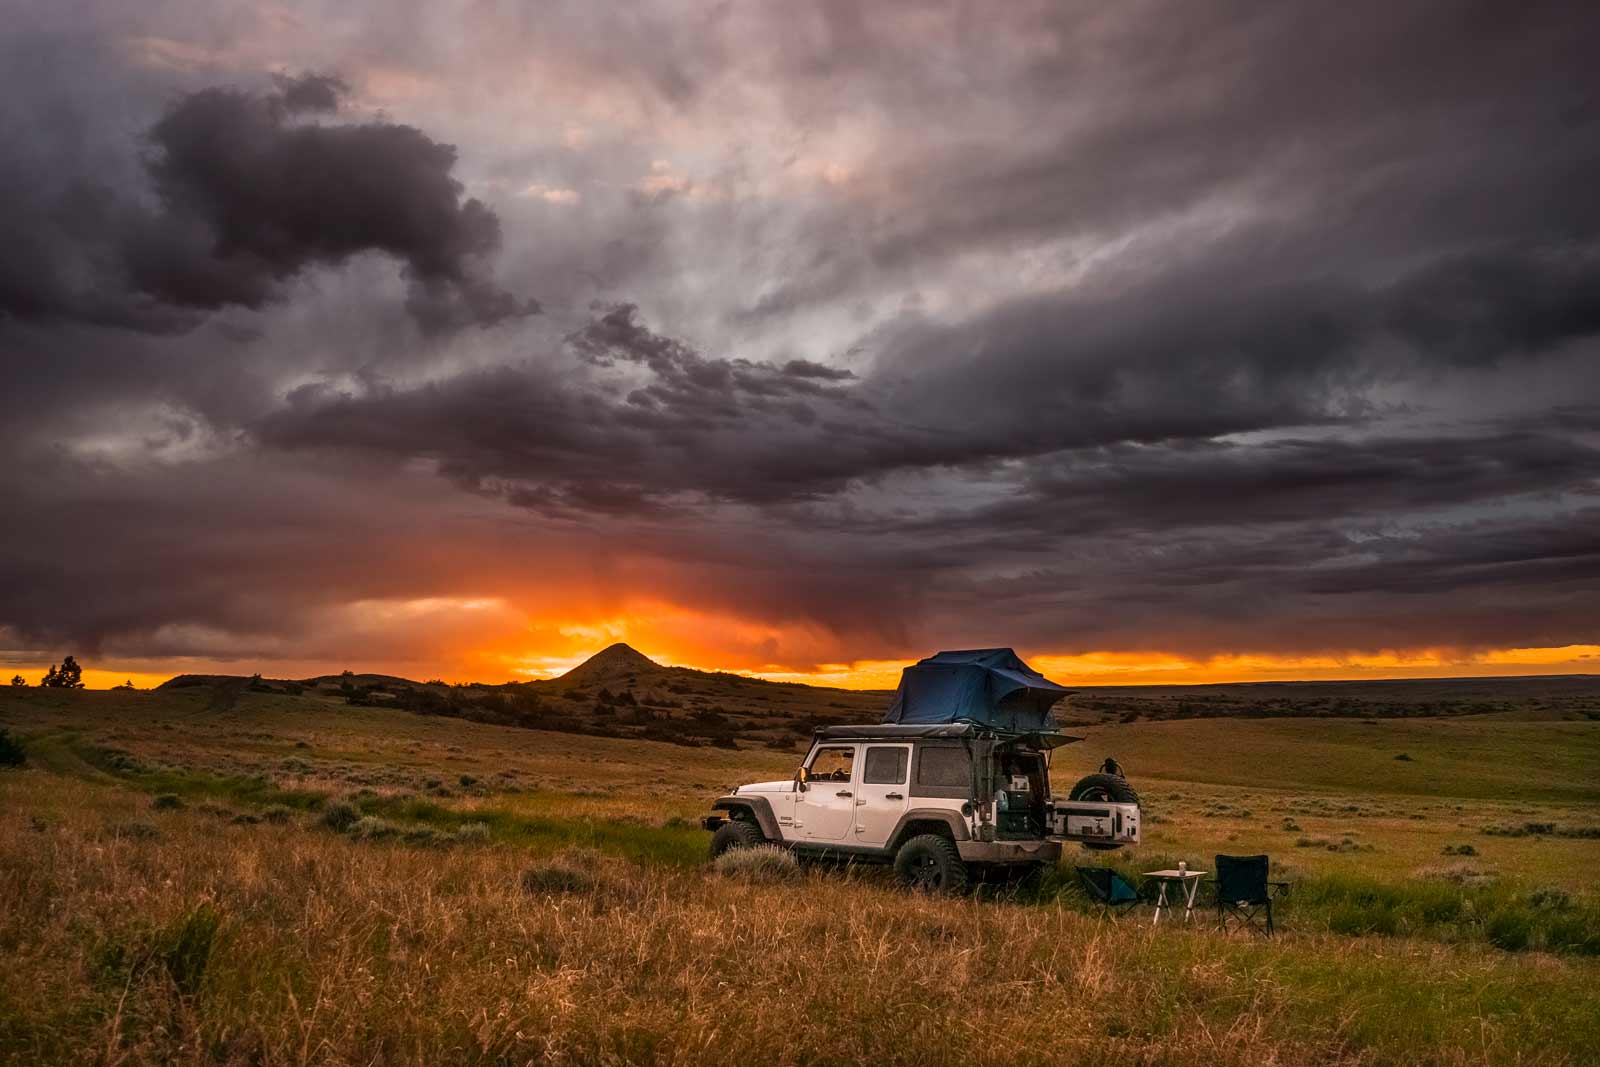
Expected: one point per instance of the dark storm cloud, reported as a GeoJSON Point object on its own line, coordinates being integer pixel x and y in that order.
{"type": "Point", "coordinates": [1490, 583]}
{"type": "Point", "coordinates": [251, 197]}
{"type": "Point", "coordinates": [1225, 327]}
{"type": "Point", "coordinates": [549, 438]}
{"type": "Point", "coordinates": [309, 92]}
{"type": "Point", "coordinates": [1175, 361]}
{"type": "Point", "coordinates": [1193, 486]}
{"type": "Point", "coordinates": [1489, 305]}
{"type": "Point", "coordinates": [1066, 125]}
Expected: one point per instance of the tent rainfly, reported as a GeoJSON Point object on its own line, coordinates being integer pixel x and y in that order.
{"type": "Point", "coordinates": [988, 687]}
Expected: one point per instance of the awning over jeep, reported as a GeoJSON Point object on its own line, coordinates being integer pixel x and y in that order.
{"type": "Point", "coordinates": [989, 687]}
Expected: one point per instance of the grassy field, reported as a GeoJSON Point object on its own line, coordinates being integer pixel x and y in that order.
{"type": "Point", "coordinates": [293, 880]}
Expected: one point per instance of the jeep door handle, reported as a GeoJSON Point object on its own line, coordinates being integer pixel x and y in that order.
{"type": "Point", "coordinates": [843, 793]}
{"type": "Point", "coordinates": [894, 796]}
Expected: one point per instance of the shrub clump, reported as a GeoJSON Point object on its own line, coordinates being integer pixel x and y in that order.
{"type": "Point", "coordinates": [473, 833]}
{"type": "Point", "coordinates": [1344, 845]}
{"type": "Point", "coordinates": [11, 752]}
{"type": "Point", "coordinates": [1550, 897]}
{"type": "Point", "coordinates": [1527, 829]}
{"type": "Point", "coordinates": [1460, 850]}
{"type": "Point", "coordinates": [762, 865]}
{"type": "Point", "coordinates": [184, 948]}
{"type": "Point", "coordinates": [278, 814]}
{"type": "Point", "coordinates": [1542, 829]}
{"type": "Point", "coordinates": [138, 831]}
{"type": "Point", "coordinates": [372, 828]}
{"type": "Point", "coordinates": [555, 878]}
{"type": "Point", "coordinates": [1573, 933]}
{"type": "Point", "coordinates": [572, 870]}
{"type": "Point", "coordinates": [1589, 832]}
{"type": "Point", "coordinates": [1509, 929]}
{"type": "Point", "coordinates": [167, 802]}
{"type": "Point", "coordinates": [1464, 874]}
{"type": "Point", "coordinates": [340, 815]}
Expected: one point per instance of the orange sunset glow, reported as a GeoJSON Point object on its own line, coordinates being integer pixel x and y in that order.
{"type": "Point", "coordinates": [523, 651]}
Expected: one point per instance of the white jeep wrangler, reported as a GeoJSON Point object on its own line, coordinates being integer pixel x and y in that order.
{"type": "Point", "coordinates": [941, 802]}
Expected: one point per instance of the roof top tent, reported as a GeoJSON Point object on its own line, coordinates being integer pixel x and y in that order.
{"type": "Point", "coordinates": [990, 688]}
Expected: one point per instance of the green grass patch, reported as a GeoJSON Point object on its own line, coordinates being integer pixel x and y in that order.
{"type": "Point", "coordinates": [682, 846]}
{"type": "Point", "coordinates": [169, 782]}
{"type": "Point", "coordinates": [1492, 912]}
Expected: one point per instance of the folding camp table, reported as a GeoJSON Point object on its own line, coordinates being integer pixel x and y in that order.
{"type": "Point", "coordinates": [1187, 883]}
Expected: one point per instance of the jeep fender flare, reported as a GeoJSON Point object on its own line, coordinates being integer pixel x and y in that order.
{"type": "Point", "coordinates": [952, 819]}
{"type": "Point", "coordinates": [758, 807]}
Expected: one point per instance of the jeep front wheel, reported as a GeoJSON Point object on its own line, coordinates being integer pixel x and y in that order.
{"type": "Point", "coordinates": [735, 833]}
{"type": "Point", "coordinates": [930, 864]}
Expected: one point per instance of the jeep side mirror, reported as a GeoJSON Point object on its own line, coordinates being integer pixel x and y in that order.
{"type": "Point", "coordinates": [800, 779]}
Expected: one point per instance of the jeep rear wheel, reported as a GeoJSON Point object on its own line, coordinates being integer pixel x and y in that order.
{"type": "Point", "coordinates": [735, 833]}
{"type": "Point", "coordinates": [929, 863]}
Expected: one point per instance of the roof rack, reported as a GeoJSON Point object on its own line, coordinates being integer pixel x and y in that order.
{"type": "Point", "coordinates": [903, 732]}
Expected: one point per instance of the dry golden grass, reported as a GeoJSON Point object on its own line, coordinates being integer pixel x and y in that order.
{"type": "Point", "coordinates": [334, 951]}
{"type": "Point", "coordinates": [132, 934]}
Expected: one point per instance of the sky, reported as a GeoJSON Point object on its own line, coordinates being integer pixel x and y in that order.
{"type": "Point", "coordinates": [1160, 342]}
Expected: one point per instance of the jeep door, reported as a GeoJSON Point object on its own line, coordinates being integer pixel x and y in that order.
{"type": "Point", "coordinates": [826, 810]}
{"type": "Point", "coordinates": [881, 796]}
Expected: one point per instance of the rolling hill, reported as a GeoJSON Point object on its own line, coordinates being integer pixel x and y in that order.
{"type": "Point", "coordinates": [620, 692]}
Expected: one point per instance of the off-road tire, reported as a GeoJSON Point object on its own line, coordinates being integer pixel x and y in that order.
{"type": "Point", "coordinates": [735, 833]}
{"type": "Point", "coordinates": [1111, 788]}
{"type": "Point", "coordinates": [929, 863]}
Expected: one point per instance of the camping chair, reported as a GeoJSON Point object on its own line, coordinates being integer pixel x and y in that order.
{"type": "Point", "coordinates": [1110, 891]}
{"type": "Point", "coordinates": [1243, 893]}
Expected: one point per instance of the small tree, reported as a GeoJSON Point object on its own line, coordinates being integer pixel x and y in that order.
{"type": "Point", "coordinates": [68, 676]}
{"type": "Point", "coordinates": [17, 679]}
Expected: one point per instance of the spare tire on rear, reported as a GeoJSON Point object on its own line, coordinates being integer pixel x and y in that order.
{"type": "Point", "coordinates": [1111, 788]}
{"type": "Point", "coordinates": [1107, 788]}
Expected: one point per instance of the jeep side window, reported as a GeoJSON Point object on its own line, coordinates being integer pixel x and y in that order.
{"type": "Point", "coordinates": [831, 765]}
{"type": "Point", "coordinates": [885, 766]}
{"type": "Point", "coordinates": [940, 766]}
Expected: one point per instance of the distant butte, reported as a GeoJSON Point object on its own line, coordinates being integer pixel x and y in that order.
{"type": "Point", "coordinates": [610, 664]}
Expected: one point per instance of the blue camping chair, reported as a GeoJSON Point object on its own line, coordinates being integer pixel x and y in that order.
{"type": "Point", "coordinates": [1243, 893]}
{"type": "Point", "coordinates": [1108, 890]}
